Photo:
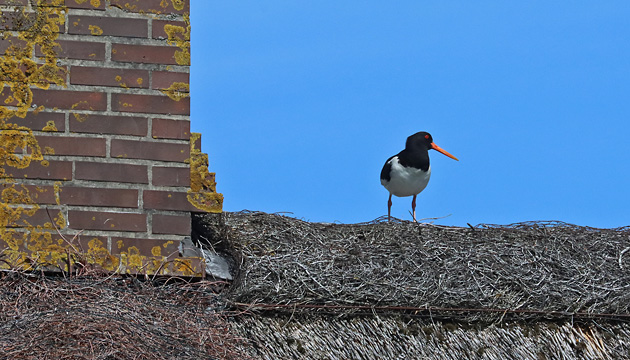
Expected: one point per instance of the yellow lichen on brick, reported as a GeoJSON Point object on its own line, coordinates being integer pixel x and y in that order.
{"type": "Point", "coordinates": [80, 117]}
{"type": "Point", "coordinates": [207, 201]}
{"type": "Point", "coordinates": [182, 57]}
{"type": "Point", "coordinates": [97, 253]}
{"type": "Point", "coordinates": [13, 139]}
{"type": "Point", "coordinates": [57, 191]}
{"type": "Point", "coordinates": [24, 245]}
{"type": "Point", "coordinates": [60, 221]}
{"type": "Point", "coordinates": [184, 266]}
{"type": "Point", "coordinates": [200, 177]}
{"type": "Point", "coordinates": [139, 81]}
{"type": "Point", "coordinates": [50, 126]}
{"type": "Point", "coordinates": [77, 104]}
{"type": "Point", "coordinates": [202, 193]}
{"type": "Point", "coordinates": [134, 259]}
{"type": "Point", "coordinates": [177, 91]}
{"type": "Point", "coordinates": [95, 3]}
{"type": "Point", "coordinates": [95, 30]}
{"type": "Point", "coordinates": [178, 4]}
{"type": "Point", "coordinates": [38, 109]}
{"type": "Point", "coordinates": [180, 37]}
{"type": "Point", "coordinates": [130, 7]}
{"type": "Point", "coordinates": [156, 251]}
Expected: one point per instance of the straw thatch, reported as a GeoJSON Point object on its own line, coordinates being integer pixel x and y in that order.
{"type": "Point", "coordinates": [44, 317]}
{"type": "Point", "coordinates": [356, 289]}
{"type": "Point", "coordinates": [522, 270]}
{"type": "Point", "coordinates": [395, 337]}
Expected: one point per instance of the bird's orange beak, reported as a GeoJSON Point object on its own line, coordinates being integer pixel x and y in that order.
{"type": "Point", "coordinates": [435, 147]}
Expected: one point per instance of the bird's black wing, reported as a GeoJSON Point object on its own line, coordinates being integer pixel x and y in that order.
{"type": "Point", "coordinates": [387, 168]}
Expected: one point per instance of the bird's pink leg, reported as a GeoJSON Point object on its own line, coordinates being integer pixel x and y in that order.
{"type": "Point", "coordinates": [413, 208]}
{"type": "Point", "coordinates": [389, 208]}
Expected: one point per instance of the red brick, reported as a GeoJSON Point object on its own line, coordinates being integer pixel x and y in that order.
{"type": "Point", "coordinates": [196, 141]}
{"type": "Point", "coordinates": [166, 79]}
{"type": "Point", "coordinates": [17, 21]}
{"type": "Point", "coordinates": [82, 243]}
{"type": "Point", "coordinates": [37, 194]}
{"type": "Point", "coordinates": [171, 176]}
{"type": "Point", "coordinates": [98, 76]}
{"type": "Point", "coordinates": [5, 93]}
{"type": "Point", "coordinates": [99, 197]}
{"type": "Point", "coordinates": [145, 247]}
{"type": "Point", "coordinates": [50, 3]}
{"type": "Point", "coordinates": [40, 120]}
{"type": "Point", "coordinates": [45, 73]}
{"type": "Point", "coordinates": [75, 100]}
{"type": "Point", "coordinates": [78, 146]}
{"type": "Point", "coordinates": [56, 170]}
{"type": "Point", "coordinates": [171, 224]}
{"type": "Point", "coordinates": [158, 28]}
{"type": "Point", "coordinates": [146, 54]}
{"type": "Point", "coordinates": [43, 216]}
{"type": "Point", "coordinates": [154, 104]}
{"type": "Point", "coordinates": [150, 150]}
{"type": "Point", "coordinates": [153, 6]}
{"type": "Point", "coordinates": [11, 40]}
{"type": "Point", "coordinates": [153, 256]}
{"type": "Point", "coordinates": [81, 50]}
{"type": "Point", "coordinates": [43, 195]}
{"type": "Point", "coordinates": [170, 129]}
{"type": "Point", "coordinates": [110, 26]}
{"type": "Point", "coordinates": [112, 172]}
{"type": "Point", "coordinates": [167, 200]}
{"type": "Point", "coordinates": [86, 4]}
{"type": "Point", "coordinates": [78, 244]}
{"type": "Point", "coordinates": [39, 218]}
{"type": "Point", "coordinates": [14, 2]}
{"type": "Point", "coordinates": [75, 4]}
{"type": "Point", "coordinates": [112, 221]}
{"type": "Point", "coordinates": [206, 200]}
{"type": "Point", "coordinates": [105, 124]}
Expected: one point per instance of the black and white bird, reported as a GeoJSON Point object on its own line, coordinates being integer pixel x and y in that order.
{"type": "Point", "coordinates": [407, 173]}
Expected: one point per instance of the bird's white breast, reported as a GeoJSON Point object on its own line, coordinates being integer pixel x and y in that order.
{"type": "Point", "coordinates": [406, 181]}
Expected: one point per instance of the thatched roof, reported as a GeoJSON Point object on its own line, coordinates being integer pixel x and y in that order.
{"type": "Point", "coordinates": [112, 318]}
{"type": "Point", "coordinates": [397, 337]}
{"type": "Point", "coordinates": [332, 291]}
{"type": "Point", "coordinates": [488, 290]}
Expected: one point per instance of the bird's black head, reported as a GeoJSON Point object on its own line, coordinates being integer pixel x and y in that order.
{"type": "Point", "coordinates": [424, 141]}
{"type": "Point", "coordinates": [420, 140]}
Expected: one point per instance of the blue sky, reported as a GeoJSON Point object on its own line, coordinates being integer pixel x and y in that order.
{"type": "Point", "coordinates": [300, 104]}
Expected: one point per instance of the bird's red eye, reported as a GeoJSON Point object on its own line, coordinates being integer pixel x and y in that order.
{"type": "Point", "coordinates": [426, 136]}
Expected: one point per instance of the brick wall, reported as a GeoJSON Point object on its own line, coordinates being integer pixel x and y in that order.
{"type": "Point", "coordinates": [102, 86]}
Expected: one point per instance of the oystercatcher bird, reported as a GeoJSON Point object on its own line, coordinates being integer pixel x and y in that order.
{"type": "Point", "coordinates": [407, 173]}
